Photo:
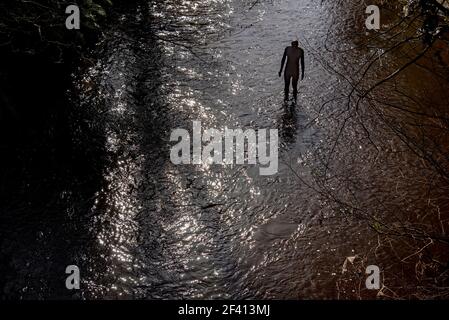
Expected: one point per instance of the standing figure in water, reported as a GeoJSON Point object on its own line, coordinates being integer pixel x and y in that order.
{"type": "Point", "coordinates": [293, 54]}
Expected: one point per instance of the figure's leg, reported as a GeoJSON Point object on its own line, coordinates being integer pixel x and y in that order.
{"type": "Point", "coordinates": [287, 86]}
{"type": "Point", "coordinates": [295, 87]}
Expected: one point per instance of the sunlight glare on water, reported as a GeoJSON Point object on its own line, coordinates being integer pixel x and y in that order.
{"type": "Point", "coordinates": [210, 231]}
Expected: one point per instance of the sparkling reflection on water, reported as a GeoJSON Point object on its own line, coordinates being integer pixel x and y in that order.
{"type": "Point", "coordinates": [170, 231]}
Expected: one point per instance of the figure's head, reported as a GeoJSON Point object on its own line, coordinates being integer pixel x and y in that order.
{"type": "Point", "coordinates": [295, 43]}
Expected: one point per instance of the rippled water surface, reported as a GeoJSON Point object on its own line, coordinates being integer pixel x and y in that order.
{"type": "Point", "coordinates": [166, 231]}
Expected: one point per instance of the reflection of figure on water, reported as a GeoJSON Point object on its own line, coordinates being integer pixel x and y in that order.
{"type": "Point", "coordinates": [288, 125]}
{"type": "Point", "coordinates": [293, 54]}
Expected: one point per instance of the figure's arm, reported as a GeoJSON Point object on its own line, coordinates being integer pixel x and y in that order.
{"type": "Point", "coordinates": [283, 61]}
{"type": "Point", "coordinates": [302, 64]}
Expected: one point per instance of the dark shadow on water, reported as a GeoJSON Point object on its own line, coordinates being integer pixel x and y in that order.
{"type": "Point", "coordinates": [47, 179]}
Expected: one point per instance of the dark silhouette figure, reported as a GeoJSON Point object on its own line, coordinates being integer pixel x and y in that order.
{"type": "Point", "coordinates": [293, 54]}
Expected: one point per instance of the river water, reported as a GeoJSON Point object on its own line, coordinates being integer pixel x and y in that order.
{"type": "Point", "coordinates": [169, 231]}
{"type": "Point", "coordinates": [157, 230]}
